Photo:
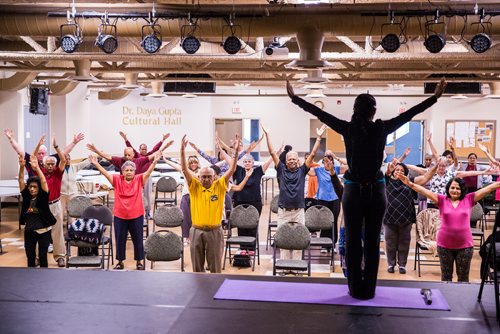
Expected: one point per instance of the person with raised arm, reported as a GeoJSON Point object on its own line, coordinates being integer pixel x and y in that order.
{"type": "Point", "coordinates": [364, 199]}
{"type": "Point", "coordinates": [53, 172]}
{"type": "Point", "coordinates": [400, 214]}
{"type": "Point", "coordinates": [35, 213]}
{"type": "Point", "coordinates": [207, 203]}
{"type": "Point", "coordinates": [128, 211]}
{"type": "Point", "coordinates": [41, 149]}
{"type": "Point", "coordinates": [143, 148]}
{"type": "Point", "coordinates": [291, 178]}
{"type": "Point", "coordinates": [454, 240]}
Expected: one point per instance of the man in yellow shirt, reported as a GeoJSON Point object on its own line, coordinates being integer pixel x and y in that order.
{"type": "Point", "coordinates": [207, 203]}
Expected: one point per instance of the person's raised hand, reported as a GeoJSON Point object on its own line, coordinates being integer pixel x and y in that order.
{"type": "Point", "coordinates": [440, 87]}
{"type": "Point", "coordinates": [8, 133]}
{"type": "Point", "coordinates": [321, 130]}
{"type": "Point", "coordinates": [482, 147]}
{"type": "Point", "coordinates": [184, 142]}
{"type": "Point", "coordinates": [193, 145]}
{"type": "Point", "coordinates": [289, 89]}
{"type": "Point", "coordinates": [93, 159]}
{"type": "Point", "coordinates": [78, 138]}
{"type": "Point", "coordinates": [123, 135]}
{"type": "Point", "coordinates": [165, 136]}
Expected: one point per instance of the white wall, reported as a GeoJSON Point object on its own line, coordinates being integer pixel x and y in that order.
{"type": "Point", "coordinates": [102, 120]}
{"type": "Point", "coordinates": [10, 117]}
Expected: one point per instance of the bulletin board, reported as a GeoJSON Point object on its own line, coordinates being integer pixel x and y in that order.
{"type": "Point", "coordinates": [468, 134]}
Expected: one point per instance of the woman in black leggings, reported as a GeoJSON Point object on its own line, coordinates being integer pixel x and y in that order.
{"type": "Point", "coordinates": [364, 197]}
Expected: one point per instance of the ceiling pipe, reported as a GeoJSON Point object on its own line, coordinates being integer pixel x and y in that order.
{"type": "Point", "coordinates": [62, 87]}
{"type": "Point", "coordinates": [17, 81]}
{"type": "Point", "coordinates": [310, 40]}
{"type": "Point", "coordinates": [341, 24]}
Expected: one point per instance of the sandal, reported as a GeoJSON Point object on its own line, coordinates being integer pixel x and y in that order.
{"type": "Point", "coordinates": [140, 266]}
{"type": "Point", "coordinates": [119, 266]}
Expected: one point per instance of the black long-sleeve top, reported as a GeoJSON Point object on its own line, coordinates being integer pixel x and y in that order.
{"type": "Point", "coordinates": [364, 140]}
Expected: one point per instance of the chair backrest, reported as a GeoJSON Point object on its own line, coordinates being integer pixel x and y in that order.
{"type": "Point", "coordinates": [477, 213]}
{"type": "Point", "coordinates": [428, 222]}
{"type": "Point", "coordinates": [77, 205]}
{"type": "Point", "coordinates": [100, 212]}
{"type": "Point", "coordinates": [292, 236]}
{"type": "Point", "coordinates": [244, 216]}
{"type": "Point", "coordinates": [274, 204]}
{"type": "Point", "coordinates": [168, 216]}
{"type": "Point", "coordinates": [319, 217]}
{"type": "Point", "coordinates": [166, 184]}
{"type": "Point", "coordinates": [163, 246]}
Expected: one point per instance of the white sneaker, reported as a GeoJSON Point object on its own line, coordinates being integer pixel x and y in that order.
{"type": "Point", "coordinates": [51, 249]}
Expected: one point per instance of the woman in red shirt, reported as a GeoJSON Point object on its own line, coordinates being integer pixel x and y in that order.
{"type": "Point", "coordinates": [128, 210]}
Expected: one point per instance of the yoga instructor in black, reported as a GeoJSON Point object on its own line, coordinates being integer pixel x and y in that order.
{"type": "Point", "coordinates": [364, 199]}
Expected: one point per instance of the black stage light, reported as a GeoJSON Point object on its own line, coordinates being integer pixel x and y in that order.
{"type": "Point", "coordinates": [480, 43]}
{"type": "Point", "coordinates": [390, 43]}
{"type": "Point", "coordinates": [190, 44]}
{"type": "Point", "coordinates": [72, 39]}
{"type": "Point", "coordinates": [435, 43]}
{"type": "Point", "coordinates": [107, 43]}
{"type": "Point", "coordinates": [151, 43]}
{"type": "Point", "coordinates": [232, 45]}
{"type": "Point", "coordinates": [69, 43]}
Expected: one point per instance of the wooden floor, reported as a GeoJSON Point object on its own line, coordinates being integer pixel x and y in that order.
{"type": "Point", "coordinates": [14, 256]}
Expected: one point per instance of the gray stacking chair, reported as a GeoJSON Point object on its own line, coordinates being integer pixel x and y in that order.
{"type": "Point", "coordinates": [105, 216]}
{"type": "Point", "coordinates": [292, 236]}
{"type": "Point", "coordinates": [165, 245]}
{"type": "Point", "coordinates": [243, 216]}
{"type": "Point", "coordinates": [272, 225]}
{"type": "Point", "coordinates": [317, 218]}
{"type": "Point", "coordinates": [76, 206]}
{"type": "Point", "coordinates": [477, 219]}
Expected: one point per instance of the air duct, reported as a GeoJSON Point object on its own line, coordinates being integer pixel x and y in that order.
{"type": "Point", "coordinates": [494, 90]}
{"type": "Point", "coordinates": [310, 40]}
{"type": "Point", "coordinates": [130, 81]}
{"type": "Point", "coordinates": [82, 70]}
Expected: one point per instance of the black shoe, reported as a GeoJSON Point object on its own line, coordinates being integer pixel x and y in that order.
{"type": "Point", "coordinates": [391, 269]}
{"type": "Point", "coordinates": [402, 270]}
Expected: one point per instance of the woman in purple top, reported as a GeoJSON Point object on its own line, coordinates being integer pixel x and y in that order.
{"type": "Point", "coordinates": [454, 240]}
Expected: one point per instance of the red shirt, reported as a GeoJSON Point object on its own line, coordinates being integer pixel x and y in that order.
{"type": "Point", "coordinates": [128, 197]}
{"type": "Point", "coordinates": [54, 181]}
{"type": "Point", "coordinates": [141, 164]}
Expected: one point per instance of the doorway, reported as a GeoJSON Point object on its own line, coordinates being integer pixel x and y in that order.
{"type": "Point", "coordinates": [247, 128]}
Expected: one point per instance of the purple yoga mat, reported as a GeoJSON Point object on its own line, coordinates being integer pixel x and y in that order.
{"type": "Point", "coordinates": [330, 294]}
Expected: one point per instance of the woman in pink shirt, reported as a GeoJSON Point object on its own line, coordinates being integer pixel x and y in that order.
{"type": "Point", "coordinates": [128, 210]}
{"type": "Point", "coordinates": [454, 239]}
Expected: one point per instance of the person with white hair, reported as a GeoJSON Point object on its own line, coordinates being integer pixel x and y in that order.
{"type": "Point", "coordinates": [128, 210]}
{"type": "Point", "coordinates": [292, 185]}
{"type": "Point", "coordinates": [41, 150]}
{"type": "Point", "coordinates": [207, 196]}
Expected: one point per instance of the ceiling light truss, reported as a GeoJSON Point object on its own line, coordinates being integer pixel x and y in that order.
{"type": "Point", "coordinates": [189, 43]}
{"type": "Point", "coordinates": [481, 42]}
{"type": "Point", "coordinates": [232, 43]}
{"type": "Point", "coordinates": [395, 35]}
{"type": "Point", "coordinates": [107, 39]}
{"type": "Point", "coordinates": [435, 34]}
{"type": "Point", "coordinates": [70, 33]}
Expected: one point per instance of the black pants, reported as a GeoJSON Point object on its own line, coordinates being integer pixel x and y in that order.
{"type": "Point", "coordinates": [31, 238]}
{"type": "Point", "coordinates": [364, 206]}
{"type": "Point", "coordinates": [249, 232]}
{"type": "Point", "coordinates": [334, 206]}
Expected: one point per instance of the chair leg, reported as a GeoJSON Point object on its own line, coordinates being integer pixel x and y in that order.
{"type": "Point", "coordinates": [224, 261]}
{"type": "Point", "coordinates": [274, 260]}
